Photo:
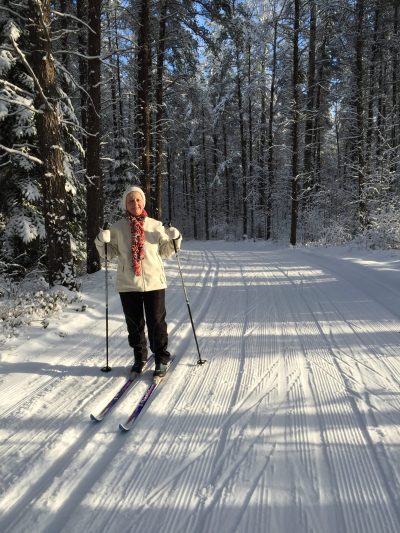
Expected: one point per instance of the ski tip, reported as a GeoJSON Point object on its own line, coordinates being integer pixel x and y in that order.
{"type": "Point", "coordinates": [123, 428]}
{"type": "Point", "coordinates": [95, 418]}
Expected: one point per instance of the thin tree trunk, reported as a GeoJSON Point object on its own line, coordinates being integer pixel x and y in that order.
{"type": "Point", "coordinates": [360, 112]}
{"type": "Point", "coordinates": [263, 138]}
{"type": "Point", "coordinates": [121, 110]}
{"type": "Point", "coordinates": [316, 142]}
{"type": "Point", "coordinates": [215, 162]}
{"type": "Point", "coordinates": [226, 174]}
{"type": "Point", "coordinates": [395, 87]}
{"type": "Point", "coordinates": [159, 113]}
{"type": "Point", "coordinates": [372, 93]}
{"type": "Point", "coordinates": [185, 186]}
{"type": "Point", "coordinates": [65, 8]}
{"type": "Point", "coordinates": [310, 113]}
{"type": "Point", "coordinates": [81, 13]}
{"type": "Point", "coordinates": [295, 126]}
{"type": "Point", "coordinates": [193, 194]}
{"type": "Point", "coordinates": [49, 131]}
{"type": "Point", "coordinates": [250, 113]}
{"type": "Point", "coordinates": [169, 178]}
{"type": "Point", "coordinates": [270, 160]}
{"type": "Point", "coordinates": [381, 110]}
{"type": "Point", "coordinates": [243, 147]}
{"type": "Point", "coordinates": [144, 115]}
{"type": "Point", "coordinates": [205, 175]}
{"type": "Point", "coordinates": [94, 196]}
{"type": "Point", "coordinates": [116, 132]}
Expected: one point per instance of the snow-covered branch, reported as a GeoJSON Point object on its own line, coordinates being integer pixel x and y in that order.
{"type": "Point", "coordinates": [21, 55]}
{"type": "Point", "coordinates": [23, 154]}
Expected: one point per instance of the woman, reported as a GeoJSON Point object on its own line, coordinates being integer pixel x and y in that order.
{"type": "Point", "coordinates": [140, 243]}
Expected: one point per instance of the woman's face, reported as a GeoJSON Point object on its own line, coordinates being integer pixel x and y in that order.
{"type": "Point", "coordinates": [134, 204]}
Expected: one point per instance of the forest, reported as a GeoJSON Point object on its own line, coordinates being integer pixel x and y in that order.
{"type": "Point", "coordinates": [240, 119]}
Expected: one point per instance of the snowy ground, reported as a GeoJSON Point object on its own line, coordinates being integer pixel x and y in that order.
{"type": "Point", "coordinates": [292, 425]}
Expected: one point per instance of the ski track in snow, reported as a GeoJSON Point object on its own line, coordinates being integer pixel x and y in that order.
{"type": "Point", "coordinates": [293, 422]}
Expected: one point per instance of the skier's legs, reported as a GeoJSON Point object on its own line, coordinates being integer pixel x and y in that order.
{"type": "Point", "coordinates": [132, 305]}
{"type": "Point", "coordinates": [154, 304]}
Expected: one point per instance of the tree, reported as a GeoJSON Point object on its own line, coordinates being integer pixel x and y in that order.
{"type": "Point", "coordinates": [295, 124]}
{"type": "Point", "coordinates": [359, 105]}
{"type": "Point", "coordinates": [48, 124]}
{"type": "Point", "coordinates": [310, 108]}
{"type": "Point", "coordinates": [94, 186]}
{"type": "Point", "coordinates": [22, 224]}
{"type": "Point", "coordinates": [143, 97]}
{"type": "Point", "coordinates": [160, 107]}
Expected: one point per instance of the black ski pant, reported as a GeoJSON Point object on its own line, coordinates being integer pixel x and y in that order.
{"type": "Point", "coordinates": [137, 306]}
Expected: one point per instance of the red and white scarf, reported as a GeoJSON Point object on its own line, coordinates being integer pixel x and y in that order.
{"type": "Point", "coordinates": [137, 239]}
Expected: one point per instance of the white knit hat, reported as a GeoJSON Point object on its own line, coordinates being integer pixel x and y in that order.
{"type": "Point", "coordinates": [133, 188]}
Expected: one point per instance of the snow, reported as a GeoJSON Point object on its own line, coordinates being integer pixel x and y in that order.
{"type": "Point", "coordinates": [291, 425]}
{"type": "Point", "coordinates": [13, 31]}
{"type": "Point", "coordinates": [6, 62]}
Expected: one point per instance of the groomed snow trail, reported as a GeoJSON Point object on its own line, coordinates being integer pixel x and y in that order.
{"type": "Point", "coordinates": [292, 425]}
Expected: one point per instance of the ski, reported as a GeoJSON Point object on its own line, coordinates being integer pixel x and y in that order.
{"type": "Point", "coordinates": [126, 426]}
{"type": "Point", "coordinates": [132, 377]}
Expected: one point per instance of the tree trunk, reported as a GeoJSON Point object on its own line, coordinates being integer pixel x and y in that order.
{"type": "Point", "coordinates": [360, 112]}
{"type": "Point", "coordinates": [215, 164]}
{"type": "Point", "coordinates": [316, 141]}
{"type": "Point", "coordinates": [159, 103]}
{"type": "Point", "coordinates": [250, 114]}
{"type": "Point", "coordinates": [395, 89]}
{"type": "Point", "coordinates": [270, 160]}
{"type": "Point", "coordinates": [185, 187]}
{"type": "Point", "coordinates": [193, 192]}
{"type": "Point", "coordinates": [169, 178]}
{"type": "Point", "coordinates": [113, 86]}
{"type": "Point", "coordinates": [243, 146]}
{"type": "Point", "coordinates": [94, 189]}
{"type": "Point", "coordinates": [205, 176]}
{"type": "Point", "coordinates": [372, 93]}
{"type": "Point", "coordinates": [262, 184]}
{"type": "Point", "coordinates": [295, 127]}
{"type": "Point", "coordinates": [121, 111]}
{"type": "Point", "coordinates": [65, 8]}
{"type": "Point", "coordinates": [49, 132]}
{"type": "Point", "coordinates": [144, 114]}
{"type": "Point", "coordinates": [81, 13]}
{"type": "Point", "coordinates": [226, 175]}
{"type": "Point", "coordinates": [310, 113]}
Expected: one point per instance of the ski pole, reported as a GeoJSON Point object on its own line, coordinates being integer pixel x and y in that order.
{"type": "Point", "coordinates": [200, 361]}
{"type": "Point", "coordinates": [107, 238]}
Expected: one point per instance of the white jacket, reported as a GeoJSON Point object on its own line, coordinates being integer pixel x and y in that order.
{"type": "Point", "coordinates": [157, 246]}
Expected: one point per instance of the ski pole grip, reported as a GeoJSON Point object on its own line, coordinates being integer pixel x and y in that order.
{"type": "Point", "coordinates": [167, 224]}
{"type": "Point", "coordinates": [106, 233]}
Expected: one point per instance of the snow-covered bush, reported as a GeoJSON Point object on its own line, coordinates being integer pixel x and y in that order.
{"type": "Point", "coordinates": [29, 301]}
{"type": "Point", "coordinates": [383, 230]}
{"type": "Point", "coordinates": [336, 233]}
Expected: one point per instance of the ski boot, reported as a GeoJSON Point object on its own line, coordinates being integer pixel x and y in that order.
{"type": "Point", "coordinates": [160, 371]}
